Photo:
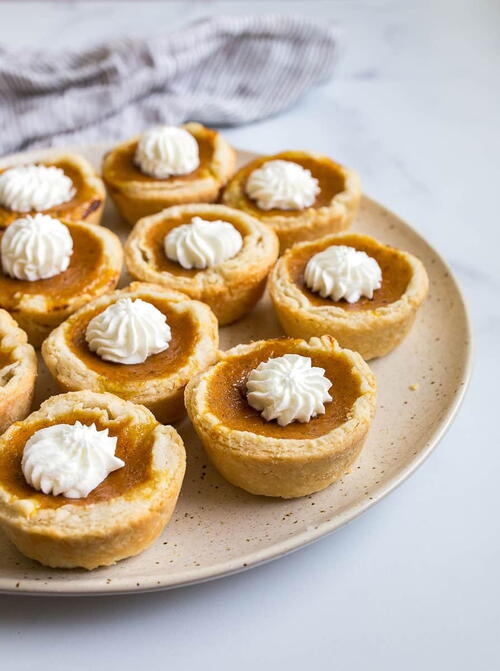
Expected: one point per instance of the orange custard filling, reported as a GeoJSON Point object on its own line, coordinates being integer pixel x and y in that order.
{"type": "Point", "coordinates": [158, 365]}
{"type": "Point", "coordinates": [78, 208]}
{"type": "Point", "coordinates": [227, 400]}
{"type": "Point", "coordinates": [134, 446]}
{"type": "Point", "coordinates": [121, 166]}
{"type": "Point", "coordinates": [396, 274]}
{"type": "Point", "coordinates": [83, 274]}
{"type": "Point", "coordinates": [331, 182]}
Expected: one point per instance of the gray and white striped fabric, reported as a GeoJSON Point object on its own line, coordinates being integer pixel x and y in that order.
{"type": "Point", "coordinates": [220, 71]}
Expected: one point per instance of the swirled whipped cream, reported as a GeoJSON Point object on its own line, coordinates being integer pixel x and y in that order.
{"type": "Point", "coordinates": [27, 188]}
{"type": "Point", "coordinates": [69, 459]}
{"type": "Point", "coordinates": [202, 244]}
{"type": "Point", "coordinates": [289, 389]}
{"type": "Point", "coordinates": [343, 272]}
{"type": "Point", "coordinates": [35, 248]}
{"type": "Point", "coordinates": [128, 331]}
{"type": "Point", "coordinates": [282, 185]}
{"type": "Point", "coordinates": [167, 150]}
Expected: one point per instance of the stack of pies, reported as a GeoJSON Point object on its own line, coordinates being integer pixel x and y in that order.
{"type": "Point", "coordinates": [92, 476]}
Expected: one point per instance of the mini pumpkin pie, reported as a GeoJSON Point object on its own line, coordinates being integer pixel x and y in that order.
{"type": "Point", "coordinates": [18, 368]}
{"type": "Point", "coordinates": [301, 196]}
{"type": "Point", "coordinates": [165, 166]}
{"type": "Point", "coordinates": [283, 417]}
{"type": "Point", "coordinates": [352, 287]}
{"type": "Point", "coordinates": [49, 268]}
{"type": "Point", "coordinates": [66, 187]}
{"type": "Point", "coordinates": [87, 480]}
{"type": "Point", "coordinates": [211, 253]}
{"type": "Point", "coordinates": [142, 343]}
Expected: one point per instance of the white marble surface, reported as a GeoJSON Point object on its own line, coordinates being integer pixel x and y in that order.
{"type": "Point", "coordinates": [414, 583]}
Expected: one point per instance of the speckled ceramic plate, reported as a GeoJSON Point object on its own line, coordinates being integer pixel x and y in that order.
{"type": "Point", "coordinates": [218, 529]}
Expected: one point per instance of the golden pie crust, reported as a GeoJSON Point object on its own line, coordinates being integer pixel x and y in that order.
{"type": "Point", "coordinates": [40, 306]}
{"type": "Point", "coordinates": [231, 288]}
{"type": "Point", "coordinates": [159, 382]}
{"type": "Point", "coordinates": [137, 195]}
{"type": "Point", "coordinates": [333, 210]}
{"type": "Point", "coordinates": [119, 518]}
{"type": "Point", "coordinates": [263, 457]}
{"type": "Point", "coordinates": [18, 370]}
{"type": "Point", "coordinates": [87, 204]}
{"type": "Point", "coordinates": [371, 327]}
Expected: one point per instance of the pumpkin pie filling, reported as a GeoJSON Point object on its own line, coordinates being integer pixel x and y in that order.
{"type": "Point", "coordinates": [84, 273]}
{"type": "Point", "coordinates": [83, 203]}
{"type": "Point", "coordinates": [160, 365]}
{"type": "Point", "coordinates": [122, 167]}
{"type": "Point", "coordinates": [226, 393]}
{"type": "Point", "coordinates": [5, 358]}
{"type": "Point", "coordinates": [396, 274]}
{"type": "Point", "coordinates": [134, 446]}
{"type": "Point", "coordinates": [330, 180]}
{"type": "Point", "coordinates": [154, 242]}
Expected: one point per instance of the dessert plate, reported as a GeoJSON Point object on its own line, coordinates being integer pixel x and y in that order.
{"type": "Point", "coordinates": [218, 529]}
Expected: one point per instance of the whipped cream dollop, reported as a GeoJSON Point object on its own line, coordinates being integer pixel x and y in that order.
{"type": "Point", "coordinates": [288, 388]}
{"type": "Point", "coordinates": [128, 331]}
{"type": "Point", "coordinates": [343, 272]}
{"type": "Point", "coordinates": [35, 248]}
{"type": "Point", "coordinates": [202, 244]}
{"type": "Point", "coordinates": [282, 185]}
{"type": "Point", "coordinates": [25, 188]}
{"type": "Point", "coordinates": [69, 459]}
{"type": "Point", "coordinates": [167, 150]}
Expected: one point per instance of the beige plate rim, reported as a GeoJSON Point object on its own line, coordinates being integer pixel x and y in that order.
{"type": "Point", "coordinates": [301, 539]}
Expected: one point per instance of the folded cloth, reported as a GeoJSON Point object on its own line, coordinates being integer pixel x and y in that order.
{"type": "Point", "coordinates": [219, 71]}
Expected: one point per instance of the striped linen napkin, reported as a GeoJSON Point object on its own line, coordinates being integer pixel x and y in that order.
{"type": "Point", "coordinates": [219, 71]}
